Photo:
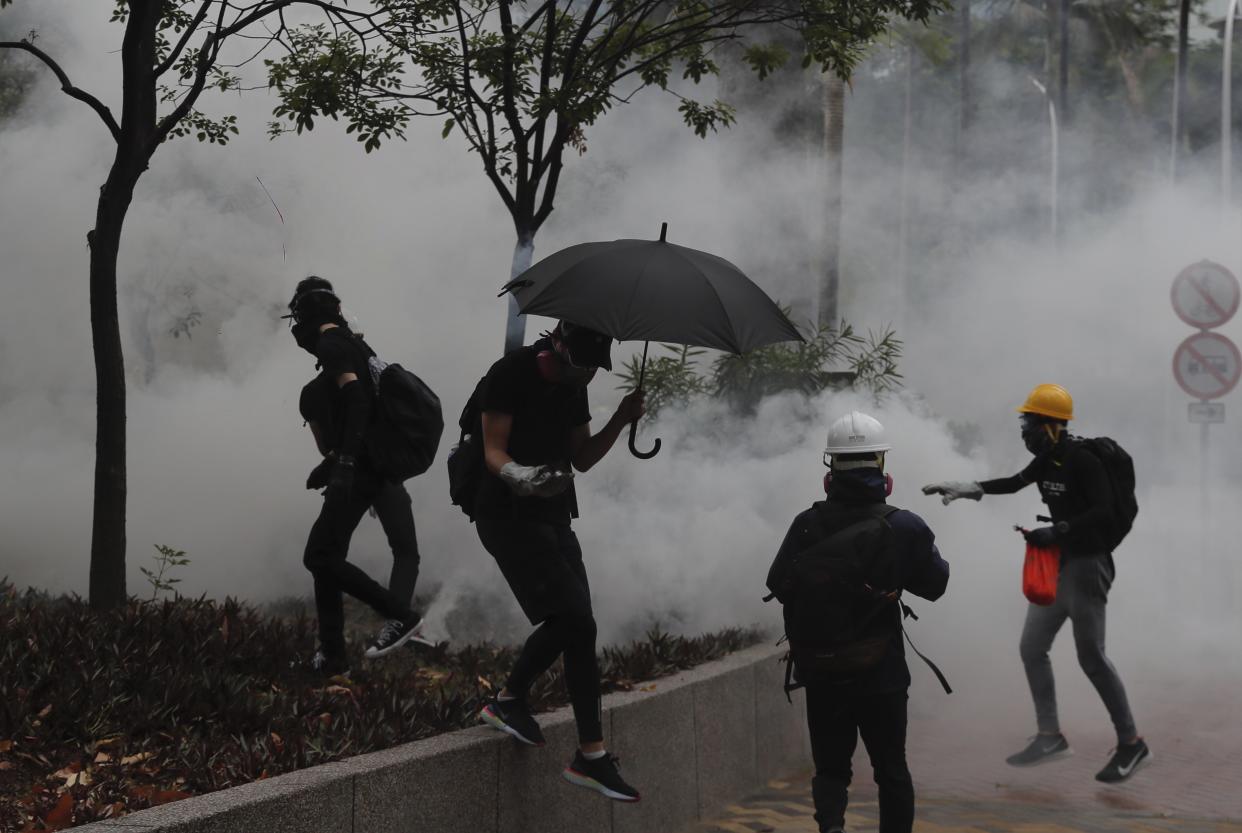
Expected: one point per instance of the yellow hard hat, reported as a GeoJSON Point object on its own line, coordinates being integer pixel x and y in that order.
{"type": "Point", "coordinates": [1051, 401]}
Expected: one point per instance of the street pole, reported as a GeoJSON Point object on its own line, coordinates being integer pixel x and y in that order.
{"type": "Point", "coordinates": [1056, 160]}
{"type": "Point", "coordinates": [1226, 109]}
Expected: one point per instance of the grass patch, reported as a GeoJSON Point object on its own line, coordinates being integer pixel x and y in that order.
{"type": "Point", "coordinates": [104, 714]}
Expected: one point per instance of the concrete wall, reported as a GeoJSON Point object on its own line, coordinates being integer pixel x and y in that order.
{"type": "Point", "coordinates": [690, 744]}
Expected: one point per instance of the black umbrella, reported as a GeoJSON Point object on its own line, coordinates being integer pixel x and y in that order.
{"type": "Point", "coordinates": [653, 290]}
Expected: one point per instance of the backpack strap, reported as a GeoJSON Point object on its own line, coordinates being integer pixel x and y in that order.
{"type": "Point", "coordinates": [907, 613]}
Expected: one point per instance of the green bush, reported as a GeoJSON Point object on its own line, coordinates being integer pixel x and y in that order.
{"type": "Point", "coordinates": [829, 358]}
{"type": "Point", "coordinates": [105, 713]}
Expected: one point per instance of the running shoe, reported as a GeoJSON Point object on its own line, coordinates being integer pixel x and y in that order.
{"type": "Point", "coordinates": [1041, 750]}
{"type": "Point", "coordinates": [324, 665]}
{"type": "Point", "coordinates": [513, 717]}
{"type": "Point", "coordinates": [392, 636]}
{"type": "Point", "coordinates": [600, 775]}
{"type": "Point", "coordinates": [1127, 759]}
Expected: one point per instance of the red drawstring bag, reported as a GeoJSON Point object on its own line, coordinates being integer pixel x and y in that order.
{"type": "Point", "coordinates": [1039, 574]}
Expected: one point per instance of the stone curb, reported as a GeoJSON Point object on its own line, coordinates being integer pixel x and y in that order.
{"type": "Point", "coordinates": [691, 743]}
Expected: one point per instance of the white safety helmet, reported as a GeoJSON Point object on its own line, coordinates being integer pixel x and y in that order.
{"type": "Point", "coordinates": [855, 433]}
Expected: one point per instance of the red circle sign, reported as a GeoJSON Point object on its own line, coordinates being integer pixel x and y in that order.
{"type": "Point", "coordinates": [1207, 365]}
{"type": "Point", "coordinates": [1206, 295]}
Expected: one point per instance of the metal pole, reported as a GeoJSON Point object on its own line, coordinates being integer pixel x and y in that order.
{"type": "Point", "coordinates": [1056, 157]}
{"type": "Point", "coordinates": [1226, 109]}
{"type": "Point", "coordinates": [1205, 514]}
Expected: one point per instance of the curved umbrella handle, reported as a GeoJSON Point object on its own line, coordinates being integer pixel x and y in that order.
{"type": "Point", "coordinates": [642, 455]}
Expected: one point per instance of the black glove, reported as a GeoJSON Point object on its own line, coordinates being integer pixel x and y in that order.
{"type": "Point", "coordinates": [341, 483]}
{"type": "Point", "coordinates": [320, 474]}
{"type": "Point", "coordinates": [1044, 536]}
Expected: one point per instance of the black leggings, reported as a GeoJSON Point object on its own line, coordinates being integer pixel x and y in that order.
{"type": "Point", "coordinates": [543, 565]}
{"type": "Point", "coordinates": [396, 515]}
{"type": "Point", "coordinates": [326, 551]}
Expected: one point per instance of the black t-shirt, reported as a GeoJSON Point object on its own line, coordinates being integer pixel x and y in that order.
{"type": "Point", "coordinates": [1075, 488]}
{"type": "Point", "coordinates": [544, 416]}
{"type": "Point", "coordinates": [321, 402]}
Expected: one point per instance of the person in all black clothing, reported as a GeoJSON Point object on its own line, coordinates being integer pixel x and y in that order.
{"type": "Point", "coordinates": [535, 427]}
{"type": "Point", "coordinates": [841, 706]}
{"type": "Point", "coordinates": [352, 486]}
{"type": "Point", "coordinates": [392, 505]}
{"type": "Point", "coordinates": [1076, 489]}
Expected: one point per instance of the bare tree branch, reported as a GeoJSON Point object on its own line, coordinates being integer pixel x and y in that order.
{"type": "Point", "coordinates": [67, 86]}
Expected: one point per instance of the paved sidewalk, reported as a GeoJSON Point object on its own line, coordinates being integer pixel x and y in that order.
{"type": "Point", "coordinates": [957, 746]}
{"type": "Point", "coordinates": [785, 807]}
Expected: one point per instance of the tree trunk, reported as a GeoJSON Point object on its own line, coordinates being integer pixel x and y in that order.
{"type": "Point", "coordinates": [1178, 131]}
{"type": "Point", "coordinates": [903, 216]}
{"type": "Point", "coordinates": [1063, 54]}
{"type": "Point", "coordinates": [107, 573]}
{"type": "Point", "coordinates": [515, 325]}
{"type": "Point", "coordinates": [965, 111]}
{"type": "Point", "coordinates": [134, 147]}
{"type": "Point", "coordinates": [834, 142]}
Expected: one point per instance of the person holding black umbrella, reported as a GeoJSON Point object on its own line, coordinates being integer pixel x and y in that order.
{"type": "Point", "coordinates": [536, 431]}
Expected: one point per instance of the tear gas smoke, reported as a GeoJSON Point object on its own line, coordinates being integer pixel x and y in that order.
{"type": "Point", "coordinates": [417, 244]}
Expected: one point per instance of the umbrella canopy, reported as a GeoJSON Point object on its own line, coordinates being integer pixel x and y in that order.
{"type": "Point", "coordinates": [653, 290]}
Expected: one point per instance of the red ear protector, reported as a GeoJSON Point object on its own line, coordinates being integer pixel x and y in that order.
{"type": "Point", "coordinates": [888, 483]}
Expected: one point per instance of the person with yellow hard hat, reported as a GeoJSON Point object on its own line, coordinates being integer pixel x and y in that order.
{"type": "Point", "coordinates": [1082, 501]}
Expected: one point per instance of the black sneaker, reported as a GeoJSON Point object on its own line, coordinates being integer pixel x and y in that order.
{"type": "Point", "coordinates": [513, 717]}
{"type": "Point", "coordinates": [327, 666]}
{"type": "Point", "coordinates": [1042, 749]}
{"type": "Point", "coordinates": [392, 636]}
{"type": "Point", "coordinates": [1126, 760]}
{"type": "Point", "coordinates": [600, 775]}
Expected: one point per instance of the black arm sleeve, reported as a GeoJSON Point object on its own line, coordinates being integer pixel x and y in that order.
{"type": "Point", "coordinates": [357, 417]}
{"type": "Point", "coordinates": [1010, 485]}
{"type": "Point", "coordinates": [924, 573]}
{"type": "Point", "coordinates": [791, 546]}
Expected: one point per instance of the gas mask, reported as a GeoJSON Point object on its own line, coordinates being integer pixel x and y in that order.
{"type": "Point", "coordinates": [1040, 435]}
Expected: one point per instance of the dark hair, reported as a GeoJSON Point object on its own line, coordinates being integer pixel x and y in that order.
{"type": "Point", "coordinates": [314, 297]}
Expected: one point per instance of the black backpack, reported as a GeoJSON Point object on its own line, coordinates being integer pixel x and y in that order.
{"type": "Point", "coordinates": [465, 461]}
{"type": "Point", "coordinates": [1120, 469]}
{"type": "Point", "coordinates": [406, 425]}
{"type": "Point", "coordinates": [840, 596]}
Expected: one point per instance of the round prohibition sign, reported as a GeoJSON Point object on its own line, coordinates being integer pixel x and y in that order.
{"type": "Point", "coordinates": [1206, 295]}
{"type": "Point", "coordinates": [1207, 365]}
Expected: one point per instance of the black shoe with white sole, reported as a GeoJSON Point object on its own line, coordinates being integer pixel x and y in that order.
{"type": "Point", "coordinates": [600, 775]}
{"type": "Point", "coordinates": [1126, 760]}
{"type": "Point", "coordinates": [1042, 749]}
{"type": "Point", "coordinates": [392, 636]}
{"type": "Point", "coordinates": [513, 717]}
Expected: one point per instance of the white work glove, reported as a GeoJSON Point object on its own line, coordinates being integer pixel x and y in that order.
{"type": "Point", "coordinates": [955, 489]}
{"type": "Point", "coordinates": [536, 481]}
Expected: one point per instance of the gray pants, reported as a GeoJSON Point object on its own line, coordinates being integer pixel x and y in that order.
{"type": "Point", "coordinates": [1082, 597]}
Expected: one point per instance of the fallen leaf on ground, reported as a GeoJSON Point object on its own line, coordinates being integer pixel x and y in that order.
{"type": "Point", "coordinates": [135, 759]}
{"type": "Point", "coordinates": [648, 687]}
{"type": "Point", "coordinates": [46, 711]}
{"type": "Point", "coordinates": [337, 689]}
{"type": "Point", "coordinates": [6, 745]}
{"type": "Point", "coordinates": [60, 816]}
{"type": "Point", "coordinates": [103, 758]}
{"type": "Point", "coordinates": [5, 765]}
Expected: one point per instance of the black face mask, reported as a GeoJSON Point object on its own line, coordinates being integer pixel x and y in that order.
{"type": "Point", "coordinates": [306, 334]}
{"type": "Point", "coordinates": [1035, 436]}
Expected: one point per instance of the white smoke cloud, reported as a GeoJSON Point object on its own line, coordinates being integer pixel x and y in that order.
{"type": "Point", "coordinates": [418, 244]}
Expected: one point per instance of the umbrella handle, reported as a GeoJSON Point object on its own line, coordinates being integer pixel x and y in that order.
{"type": "Point", "coordinates": [642, 455]}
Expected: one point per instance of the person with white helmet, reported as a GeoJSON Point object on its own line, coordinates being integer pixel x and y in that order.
{"type": "Point", "coordinates": [839, 575]}
{"type": "Point", "coordinates": [1075, 485]}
